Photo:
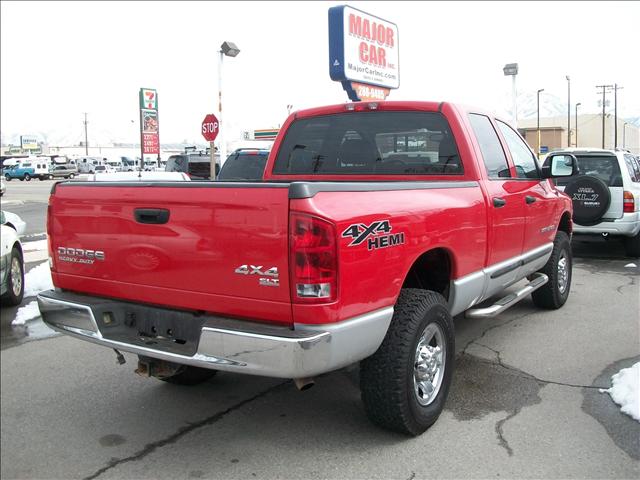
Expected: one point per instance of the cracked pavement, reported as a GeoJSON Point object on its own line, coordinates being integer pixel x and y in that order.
{"type": "Point", "coordinates": [523, 404]}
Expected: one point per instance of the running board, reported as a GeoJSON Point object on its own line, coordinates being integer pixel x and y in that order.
{"type": "Point", "coordinates": [538, 280]}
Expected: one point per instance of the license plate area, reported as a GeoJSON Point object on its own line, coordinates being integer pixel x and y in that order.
{"type": "Point", "coordinates": [157, 328]}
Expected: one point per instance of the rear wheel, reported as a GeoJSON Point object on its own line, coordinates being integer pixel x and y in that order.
{"type": "Point", "coordinates": [558, 268]}
{"type": "Point", "coordinates": [71, 175]}
{"type": "Point", "coordinates": [404, 385]}
{"type": "Point", "coordinates": [15, 280]}
{"type": "Point", "coordinates": [632, 245]}
{"type": "Point", "coordinates": [7, 177]}
{"type": "Point", "coordinates": [27, 177]}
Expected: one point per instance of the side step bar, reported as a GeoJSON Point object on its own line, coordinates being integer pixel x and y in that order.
{"type": "Point", "coordinates": [538, 280]}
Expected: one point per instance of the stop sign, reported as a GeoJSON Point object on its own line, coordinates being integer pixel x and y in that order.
{"type": "Point", "coordinates": [210, 127]}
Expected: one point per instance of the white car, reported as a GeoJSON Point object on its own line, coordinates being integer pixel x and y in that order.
{"type": "Point", "coordinates": [605, 195]}
{"type": "Point", "coordinates": [11, 266]}
{"type": "Point", "coordinates": [14, 221]}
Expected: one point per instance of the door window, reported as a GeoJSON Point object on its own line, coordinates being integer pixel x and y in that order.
{"type": "Point", "coordinates": [523, 158]}
{"type": "Point", "coordinates": [493, 156]}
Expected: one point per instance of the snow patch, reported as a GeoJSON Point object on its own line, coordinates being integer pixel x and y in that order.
{"type": "Point", "coordinates": [625, 390]}
{"type": "Point", "coordinates": [37, 245]}
{"type": "Point", "coordinates": [630, 265]}
{"type": "Point", "coordinates": [37, 280]}
{"type": "Point", "coordinates": [26, 313]}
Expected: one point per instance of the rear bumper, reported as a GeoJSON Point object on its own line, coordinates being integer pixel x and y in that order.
{"type": "Point", "coordinates": [227, 344]}
{"type": "Point", "coordinates": [628, 226]}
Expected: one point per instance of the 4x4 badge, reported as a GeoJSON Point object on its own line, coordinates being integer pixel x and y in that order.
{"type": "Point", "coordinates": [377, 234]}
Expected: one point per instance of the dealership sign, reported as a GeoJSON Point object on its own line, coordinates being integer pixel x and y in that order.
{"type": "Point", "coordinates": [29, 142]}
{"type": "Point", "coordinates": [363, 53]}
{"type": "Point", "coordinates": [149, 125]}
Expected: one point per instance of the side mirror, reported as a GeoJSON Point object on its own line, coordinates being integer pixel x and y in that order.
{"type": "Point", "coordinates": [559, 165]}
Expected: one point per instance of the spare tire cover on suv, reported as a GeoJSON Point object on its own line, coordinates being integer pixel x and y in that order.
{"type": "Point", "coordinates": [590, 197]}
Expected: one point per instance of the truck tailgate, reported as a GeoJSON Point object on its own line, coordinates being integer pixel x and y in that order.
{"type": "Point", "coordinates": [223, 248]}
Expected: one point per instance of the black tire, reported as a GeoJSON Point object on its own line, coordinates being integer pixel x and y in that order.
{"type": "Point", "coordinates": [591, 199]}
{"type": "Point", "coordinates": [189, 375]}
{"type": "Point", "coordinates": [27, 177]}
{"type": "Point", "coordinates": [387, 382]}
{"type": "Point", "coordinates": [71, 175]}
{"type": "Point", "coordinates": [7, 177]}
{"type": "Point", "coordinates": [553, 294]}
{"type": "Point", "coordinates": [11, 298]}
{"type": "Point", "coordinates": [632, 246]}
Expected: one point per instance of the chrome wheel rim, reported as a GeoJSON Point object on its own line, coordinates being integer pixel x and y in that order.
{"type": "Point", "coordinates": [429, 364]}
{"type": "Point", "coordinates": [563, 273]}
{"type": "Point", "coordinates": [16, 277]}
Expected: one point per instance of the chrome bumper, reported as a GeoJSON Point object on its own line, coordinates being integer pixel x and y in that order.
{"type": "Point", "coordinates": [229, 344]}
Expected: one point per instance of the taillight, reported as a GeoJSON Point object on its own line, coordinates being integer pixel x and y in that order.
{"type": "Point", "coordinates": [52, 265]}
{"type": "Point", "coordinates": [313, 259]}
{"type": "Point", "coordinates": [628, 203]}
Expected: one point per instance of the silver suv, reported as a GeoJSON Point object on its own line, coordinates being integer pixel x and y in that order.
{"type": "Point", "coordinates": [63, 171]}
{"type": "Point", "coordinates": [606, 195]}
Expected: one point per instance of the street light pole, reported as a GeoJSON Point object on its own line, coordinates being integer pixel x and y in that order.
{"type": "Point", "coordinates": [615, 113]}
{"type": "Point", "coordinates": [624, 131]}
{"type": "Point", "coordinates": [86, 144]}
{"type": "Point", "coordinates": [577, 105]}
{"type": "Point", "coordinates": [538, 114]}
{"type": "Point", "coordinates": [230, 50]}
{"type": "Point", "coordinates": [511, 69]}
{"type": "Point", "coordinates": [568, 111]}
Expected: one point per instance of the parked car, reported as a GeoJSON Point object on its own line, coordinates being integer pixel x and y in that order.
{"type": "Point", "coordinates": [244, 164]}
{"type": "Point", "coordinates": [11, 265]}
{"type": "Point", "coordinates": [606, 195]}
{"type": "Point", "coordinates": [14, 221]}
{"type": "Point", "coordinates": [64, 171]}
{"type": "Point", "coordinates": [101, 169]}
{"type": "Point", "coordinates": [27, 170]}
{"type": "Point", "coordinates": [195, 164]}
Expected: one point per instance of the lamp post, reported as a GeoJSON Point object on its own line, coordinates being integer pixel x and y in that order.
{"type": "Point", "coordinates": [230, 50]}
{"type": "Point", "coordinates": [624, 131]}
{"type": "Point", "coordinates": [511, 69]}
{"type": "Point", "coordinates": [568, 111]}
{"type": "Point", "coordinates": [538, 114]}
{"type": "Point", "coordinates": [577, 105]}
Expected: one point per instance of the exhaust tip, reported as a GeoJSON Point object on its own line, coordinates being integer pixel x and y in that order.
{"type": "Point", "coordinates": [303, 384]}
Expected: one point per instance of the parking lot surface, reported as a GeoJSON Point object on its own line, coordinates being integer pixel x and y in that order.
{"type": "Point", "coordinates": [524, 403]}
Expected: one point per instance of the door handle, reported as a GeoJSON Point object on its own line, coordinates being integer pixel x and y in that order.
{"type": "Point", "coordinates": [156, 216]}
{"type": "Point", "coordinates": [530, 199]}
{"type": "Point", "coordinates": [499, 202]}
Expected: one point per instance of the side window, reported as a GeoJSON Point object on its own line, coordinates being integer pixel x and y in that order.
{"type": "Point", "coordinates": [632, 166]}
{"type": "Point", "coordinates": [522, 157]}
{"type": "Point", "coordinates": [494, 158]}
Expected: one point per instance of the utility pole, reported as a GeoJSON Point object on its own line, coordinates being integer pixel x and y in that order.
{"type": "Point", "coordinates": [605, 88]}
{"type": "Point", "coordinates": [615, 113]}
{"type": "Point", "coordinates": [86, 145]}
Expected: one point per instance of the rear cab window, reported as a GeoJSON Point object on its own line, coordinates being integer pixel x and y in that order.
{"type": "Point", "coordinates": [369, 143]}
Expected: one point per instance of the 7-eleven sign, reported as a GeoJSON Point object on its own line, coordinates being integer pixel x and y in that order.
{"type": "Point", "coordinates": [149, 99]}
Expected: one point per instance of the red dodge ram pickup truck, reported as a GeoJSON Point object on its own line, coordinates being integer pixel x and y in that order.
{"type": "Point", "coordinates": [374, 224]}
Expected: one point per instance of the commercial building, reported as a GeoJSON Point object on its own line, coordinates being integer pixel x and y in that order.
{"type": "Point", "coordinates": [587, 133]}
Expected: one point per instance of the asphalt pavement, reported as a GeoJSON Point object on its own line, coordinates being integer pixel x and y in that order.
{"type": "Point", "coordinates": [524, 403]}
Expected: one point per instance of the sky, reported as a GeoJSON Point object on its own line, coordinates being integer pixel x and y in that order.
{"type": "Point", "coordinates": [61, 59]}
